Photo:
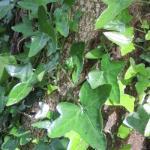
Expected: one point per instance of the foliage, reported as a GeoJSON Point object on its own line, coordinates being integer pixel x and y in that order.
{"type": "Point", "coordinates": [32, 39]}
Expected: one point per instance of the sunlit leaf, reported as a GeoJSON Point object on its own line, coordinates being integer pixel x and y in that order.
{"type": "Point", "coordinates": [76, 142]}
{"type": "Point", "coordinates": [123, 132]}
{"type": "Point", "coordinates": [84, 119]}
{"type": "Point", "coordinates": [96, 78]}
{"type": "Point", "coordinates": [115, 7]}
{"type": "Point", "coordinates": [123, 39]}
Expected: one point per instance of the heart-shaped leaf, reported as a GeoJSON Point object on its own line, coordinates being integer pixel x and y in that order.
{"type": "Point", "coordinates": [38, 43]}
{"type": "Point", "coordinates": [62, 21]}
{"type": "Point", "coordinates": [21, 72]}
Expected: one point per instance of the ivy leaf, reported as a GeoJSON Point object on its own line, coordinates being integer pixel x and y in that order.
{"type": "Point", "coordinates": [140, 120]}
{"type": "Point", "coordinates": [85, 119]}
{"type": "Point", "coordinates": [38, 42]}
{"type": "Point", "coordinates": [127, 101]}
{"type": "Point", "coordinates": [56, 144]}
{"type": "Point", "coordinates": [25, 28]}
{"type": "Point", "coordinates": [18, 92]}
{"type": "Point", "coordinates": [5, 8]}
{"type": "Point", "coordinates": [142, 84]}
{"type": "Point", "coordinates": [111, 70]}
{"type": "Point", "coordinates": [21, 72]}
{"type": "Point", "coordinates": [147, 36]}
{"type": "Point", "coordinates": [62, 21]}
{"type": "Point", "coordinates": [46, 25]}
{"type": "Point", "coordinates": [115, 7]}
{"type": "Point", "coordinates": [76, 53]}
{"type": "Point", "coordinates": [143, 76]}
{"type": "Point", "coordinates": [76, 142]}
{"type": "Point", "coordinates": [10, 143]}
{"type": "Point", "coordinates": [123, 39]}
{"type": "Point", "coordinates": [33, 5]}
{"type": "Point", "coordinates": [95, 53]}
{"type": "Point", "coordinates": [96, 78]}
{"type": "Point", "coordinates": [5, 60]}
{"type": "Point", "coordinates": [146, 56]}
{"type": "Point", "coordinates": [23, 136]}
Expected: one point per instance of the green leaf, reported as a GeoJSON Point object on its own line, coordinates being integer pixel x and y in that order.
{"type": "Point", "coordinates": [5, 8]}
{"type": "Point", "coordinates": [46, 25]}
{"type": "Point", "coordinates": [123, 39]}
{"type": "Point", "coordinates": [76, 53]}
{"type": "Point", "coordinates": [115, 7]}
{"type": "Point", "coordinates": [56, 144]}
{"type": "Point", "coordinates": [140, 120]}
{"type": "Point", "coordinates": [123, 132]}
{"type": "Point", "coordinates": [38, 42]}
{"type": "Point", "coordinates": [143, 76]}
{"type": "Point", "coordinates": [18, 92]}
{"type": "Point", "coordinates": [62, 21]}
{"type": "Point", "coordinates": [69, 2]}
{"type": "Point", "coordinates": [33, 5]}
{"type": "Point", "coordinates": [21, 72]}
{"type": "Point", "coordinates": [96, 78]}
{"type": "Point", "coordinates": [147, 36]}
{"type": "Point", "coordinates": [111, 71]}
{"type": "Point", "coordinates": [5, 60]}
{"type": "Point", "coordinates": [25, 28]}
{"type": "Point", "coordinates": [95, 53]}
{"type": "Point", "coordinates": [76, 142]}
{"type": "Point", "coordinates": [23, 136]}
{"type": "Point", "coordinates": [84, 119]}
{"type": "Point", "coordinates": [10, 143]}
{"type": "Point", "coordinates": [127, 101]}
{"type": "Point", "coordinates": [146, 56]}
{"type": "Point", "coordinates": [51, 88]}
